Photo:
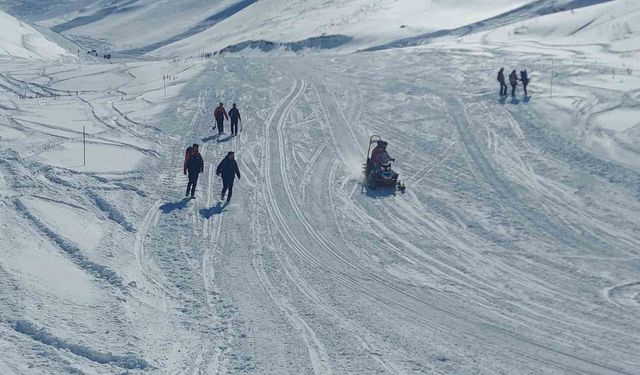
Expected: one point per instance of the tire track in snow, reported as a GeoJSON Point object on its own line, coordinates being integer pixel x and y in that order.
{"type": "Point", "coordinates": [141, 257]}
{"type": "Point", "coordinates": [626, 295]}
{"type": "Point", "coordinates": [303, 217]}
{"type": "Point", "coordinates": [319, 358]}
{"type": "Point", "coordinates": [545, 354]}
{"type": "Point", "coordinates": [553, 356]}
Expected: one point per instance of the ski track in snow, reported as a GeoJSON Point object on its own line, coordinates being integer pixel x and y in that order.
{"type": "Point", "coordinates": [502, 256]}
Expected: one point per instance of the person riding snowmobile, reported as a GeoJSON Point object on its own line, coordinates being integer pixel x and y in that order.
{"type": "Point", "coordinates": [379, 155]}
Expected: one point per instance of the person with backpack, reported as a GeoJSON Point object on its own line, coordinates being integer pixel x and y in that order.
{"type": "Point", "coordinates": [220, 114]}
{"type": "Point", "coordinates": [513, 79]}
{"type": "Point", "coordinates": [503, 85]}
{"type": "Point", "coordinates": [234, 115]}
{"type": "Point", "coordinates": [524, 77]}
{"type": "Point", "coordinates": [228, 170]}
{"type": "Point", "coordinates": [194, 165]}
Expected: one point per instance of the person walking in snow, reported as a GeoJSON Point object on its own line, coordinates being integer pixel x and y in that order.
{"type": "Point", "coordinates": [524, 77]}
{"type": "Point", "coordinates": [513, 80]}
{"type": "Point", "coordinates": [503, 85]}
{"type": "Point", "coordinates": [234, 115]}
{"type": "Point", "coordinates": [220, 114]}
{"type": "Point", "coordinates": [194, 165]}
{"type": "Point", "coordinates": [228, 170]}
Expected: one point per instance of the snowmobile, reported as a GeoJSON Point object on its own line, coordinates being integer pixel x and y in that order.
{"type": "Point", "coordinates": [380, 176]}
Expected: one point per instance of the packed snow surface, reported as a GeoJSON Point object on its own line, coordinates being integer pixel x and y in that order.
{"type": "Point", "coordinates": [514, 250]}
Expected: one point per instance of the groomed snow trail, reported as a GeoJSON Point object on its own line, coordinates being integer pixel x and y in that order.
{"type": "Point", "coordinates": [513, 251]}
{"type": "Point", "coordinates": [491, 262]}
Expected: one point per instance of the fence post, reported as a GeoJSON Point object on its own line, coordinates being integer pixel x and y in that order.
{"type": "Point", "coordinates": [552, 78]}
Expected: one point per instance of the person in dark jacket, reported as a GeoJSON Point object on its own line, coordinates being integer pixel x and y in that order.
{"type": "Point", "coordinates": [513, 80]}
{"type": "Point", "coordinates": [524, 77]}
{"type": "Point", "coordinates": [228, 170]}
{"type": "Point", "coordinates": [503, 85]}
{"type": "Point", "coordinates": [234, 115]}
{"type": "Point", "coordinates": [194, 165]}
{"type": "Point", "coordinates": [220, 114]}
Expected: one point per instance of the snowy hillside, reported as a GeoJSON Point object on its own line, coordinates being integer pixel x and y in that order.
{"type": "Point", "coordinates": [186, 27]}
{"type": "Point", "coordinates": [365, 22]}
{"type": "Point", "coordinates": [610, 25]}
{"type": "Point", "coordinates": [515, 248]}
{"type": "Point", "coordinates": [21, 40]}
{"type": "Point", "coordinates": [602, 36]}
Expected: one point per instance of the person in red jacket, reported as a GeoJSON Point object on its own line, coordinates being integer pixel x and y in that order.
{"type": "Point", "coordinates": [194, 165]}
{"type": "Point", "coordinates": [381, 147]}
{"type": "Point", "coordinates": [220, 114]}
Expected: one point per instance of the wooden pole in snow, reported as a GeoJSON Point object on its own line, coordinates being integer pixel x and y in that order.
{"type": "Point", "coordinates": [84, 147]}
{"type": "Point", "coordinates": [552, 78]}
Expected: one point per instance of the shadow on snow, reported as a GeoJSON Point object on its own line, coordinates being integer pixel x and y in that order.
{"type": "Point", "coordinates": [225, 139]}
{"type": "Point", "coordinates": [215, 210]}
{"type": "Point", "coordinates": [173, 206]}
{"type": "Point", "coordinates": [381, 192]}
{"type": "Point", "coordinates": [210, 138]}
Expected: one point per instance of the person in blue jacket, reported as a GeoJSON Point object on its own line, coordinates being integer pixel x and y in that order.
{"type": "Point", "coordinates": [228, 170]}
{"type": "Point", "coordinates": [524, 77]}
{"type": "Point", "coordinates": [234, 115]}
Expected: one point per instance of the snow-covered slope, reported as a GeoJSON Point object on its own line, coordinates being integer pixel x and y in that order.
{"type": "Point", "coordinates": [188, 26]}
{"type": "Point", "coordinates": [605, 36]}
{"type": "Point", "coordinates": [612, 25]}
{"type": "Point", "coordinates": [21, 40]}
{"type": "Point", "coordinates": [366, 22]}
{"type": "Point", "coordinates": [514, 250]}
{"type": "Point", "coordinates": [529, 11]}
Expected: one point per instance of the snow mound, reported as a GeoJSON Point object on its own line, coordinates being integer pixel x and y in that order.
{"type": "Point", "coordinates": [322, 42]}
{"type": "Point", "coordinates": [44, 337]}
{"type": "Point", "coordinates": [21, 40]}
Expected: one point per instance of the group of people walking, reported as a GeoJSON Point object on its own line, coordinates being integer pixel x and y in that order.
{"type": "Point", "coordinates": [227, 169]}
{"type": "Point", "coordinates": [234, 115]}
{"type": "Point", "coordinates": [513, 80]}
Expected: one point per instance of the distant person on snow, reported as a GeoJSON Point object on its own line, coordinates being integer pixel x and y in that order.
{"type": "Point", "coordinates": [228, 170]}
{"type": "Point", "coordinates": [220, 114]}
{"type": "Point", "coordinates": [503, 85]}
{"type": "Point", "coordinates": [513, 79]}
{"type": "Point", "coordinates": [234, 114]}
{"type": "Point", "coordinates": [194, 165]}
{"type": "Point", "coordinates": [524, 77]}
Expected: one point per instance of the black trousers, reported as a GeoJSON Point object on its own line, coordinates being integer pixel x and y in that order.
{"type": "Point", "coordinates": [525, 84]}
{"type": "Point", "coordinates": [193, 181]}
{"type": "Point", "coordinates": [227, 185]}
{"type": "Point", "coordinates": [503, 88]}
{"type": "Point", "coordinates": [234, 126]}
{"type": "Point", "coordinates": [220, 123]}
{"type": "Point", "coordinates": [513, 89]}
